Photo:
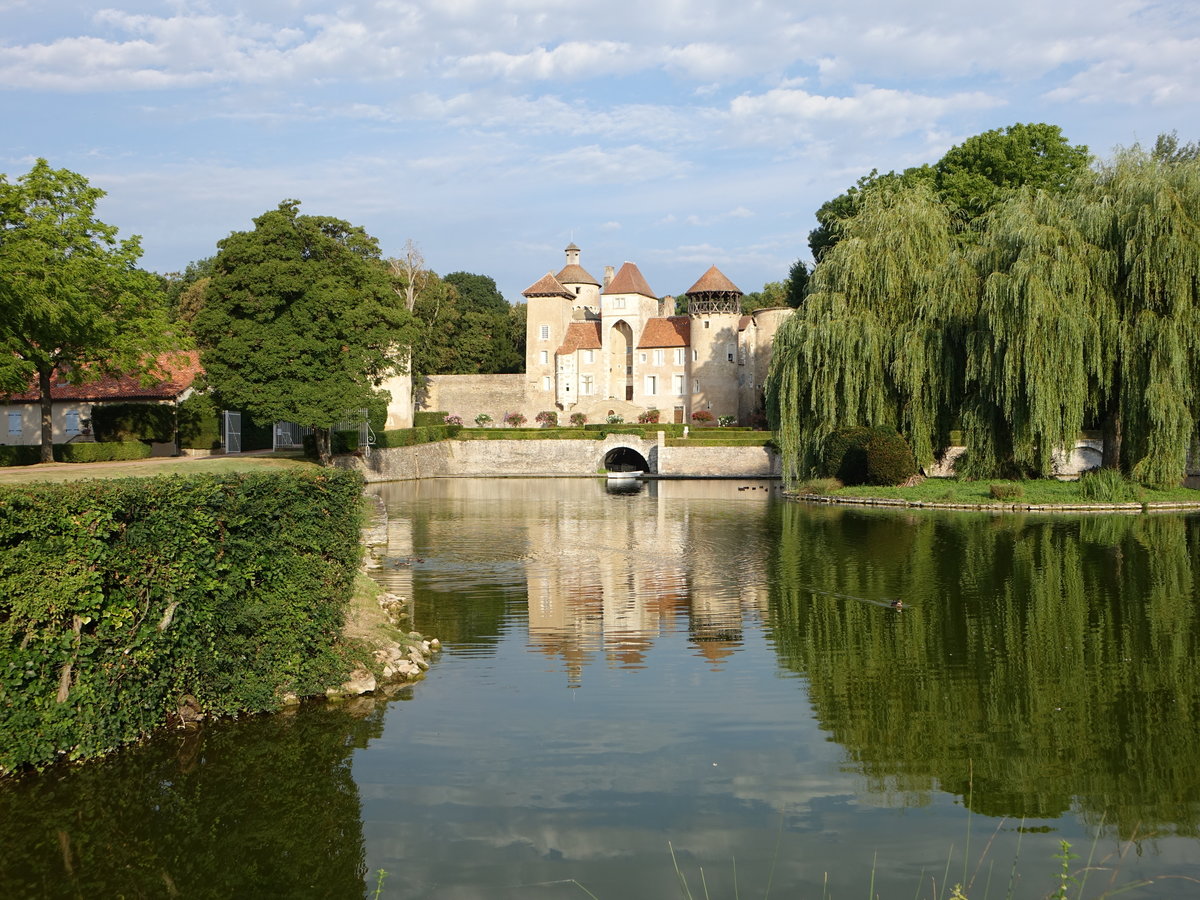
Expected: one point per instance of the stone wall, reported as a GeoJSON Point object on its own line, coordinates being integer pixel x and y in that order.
{"type": "Point", "coordinates": [507, 458]}
{"type": "Point", "coordinates": [470, 395]}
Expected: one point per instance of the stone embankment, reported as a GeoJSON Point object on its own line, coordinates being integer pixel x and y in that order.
{"type": "Point", "coordinates": [376, 620]}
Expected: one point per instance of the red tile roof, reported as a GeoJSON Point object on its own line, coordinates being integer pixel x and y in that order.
{"type": "Point", "coordinates": [547, 286]}
{"type": "Point", "coordinates": [575, 274]}
{"type": "Point", "coordinates": [175, 371]}
{"type": "Point", "coordinates": [713, 280]}
{"type": "Point", "coordinates": [580, 336]}
{"type": "Point", "coordinates": [675, 331]}
{"type": "Point", "coordinates": [629, 281]}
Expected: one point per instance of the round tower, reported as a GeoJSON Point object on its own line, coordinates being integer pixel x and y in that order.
{"type": "Point", "coordinates": [715, 305]}
{"type": "Point", "coordinates": [585, 289]}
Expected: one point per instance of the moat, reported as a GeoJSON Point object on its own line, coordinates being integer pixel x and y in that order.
{"type": "Point", "coordinates": [703, 666]}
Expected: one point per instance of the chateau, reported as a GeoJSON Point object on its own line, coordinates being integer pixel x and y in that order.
{"type": "Point", "coordinates": [614, 347]}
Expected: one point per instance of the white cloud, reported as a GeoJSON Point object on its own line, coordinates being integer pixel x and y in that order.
{"type": "Point", "coordinates": [623, 165]}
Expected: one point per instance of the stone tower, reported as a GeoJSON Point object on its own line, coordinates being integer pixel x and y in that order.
{"type": "Point", "coordinates": [714, 305]}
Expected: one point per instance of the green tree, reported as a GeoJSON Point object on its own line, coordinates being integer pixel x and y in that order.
{"type": "Point", "coordinates": [1066, 307]}
{"type": "Point", "coordinates": [973, 176]}
{"type": "Point", "coordinates": [483, 336]}
{"type": "Point", "coordinates": [773, 293]}
{"type": "Point", "coordinates": [72, 298]}
{"type": "Point", "coordinates": [300, 321]}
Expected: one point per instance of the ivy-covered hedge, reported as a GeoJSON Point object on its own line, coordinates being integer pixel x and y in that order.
{"type": "Point", "coordinates": [133, 422]}
{"type": "Point", "coordinates": [121, 599]}
{"type": "Point", "coordinates": [429, 417]}
{"type": "Point", "coordinates": [199, 423]}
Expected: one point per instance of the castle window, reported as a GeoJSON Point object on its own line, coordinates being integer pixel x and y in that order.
{"type": "Point", "coordinates": [707, 323]}
{"type": "Point", "coordinates": [544, 357]}
{"type": "Point", "coordinates": [585, 385]}
{"type": "Point", "coordinates": [678, 383]}
{"type": "Point", "coordinates": [545, 382]}
{"type": "Point", "coordinates": [658, 357]}
{"type": "Point", "coordinates": [589, 356]}
{"type": "Point", "coordinates": [695, 355]}
{"type": "Point", "coordinates": [680, 356]}
{"type": "Point", "coordinates": [618, 303]}
{"type": "Point", "coordinates": [651, 385]}
{"type": "Point", "coordinates": [544, 332]}
{"type": "Point", "coordinates": [695, 385]}
{"type": "Point", "coordinates": [577, 291]}
{"type": "Point", "coordinates": [14, 424]}
{"type": "Point", "coordinates": [641, 357]}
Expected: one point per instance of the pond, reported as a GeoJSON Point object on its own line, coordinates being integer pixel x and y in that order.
{"type": "Point", "coordinates": [694, 678]}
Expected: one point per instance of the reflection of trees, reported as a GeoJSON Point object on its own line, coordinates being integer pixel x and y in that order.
{"type": "Point", "coordinates": [265, 807]}
{"type": "Point", "coordinates": [1057, 658]}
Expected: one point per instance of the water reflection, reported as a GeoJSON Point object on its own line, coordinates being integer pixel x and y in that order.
{"type": "Point", "coordinates": [1054, 661]}
{"type": "Point", "coordinates": [266, 806]}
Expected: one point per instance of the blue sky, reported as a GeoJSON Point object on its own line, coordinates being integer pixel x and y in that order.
{"type": "Point", "coordinates": [674, 133]}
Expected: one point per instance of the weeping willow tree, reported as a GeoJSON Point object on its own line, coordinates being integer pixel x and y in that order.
{"type": "Point", "coordinates": [1145, 212]}
{"type": "Point", "coordinates": [1057, 310]}
{"type": "Point", "coordinates": [878, 339]}
{"type": "Point", "coordinates": [1036, 354]}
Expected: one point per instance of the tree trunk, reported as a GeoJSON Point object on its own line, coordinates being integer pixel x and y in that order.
{"type": "Point", "coordinates": [47, 415]}
{"type": "Point", "coordinates": [323, 439]}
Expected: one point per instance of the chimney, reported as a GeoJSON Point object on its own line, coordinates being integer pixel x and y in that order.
{"type": "Point", "coordinates": [608, 276]}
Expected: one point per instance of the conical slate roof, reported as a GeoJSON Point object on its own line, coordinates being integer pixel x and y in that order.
{"type": "Point", "coordinates": [574, 273]}
{"type": "Point", "coordinates": [714, 281]}
{"type": "Point", "coordinates": [630, 281]}
{"type": "Point", "coordinates": [547, 286]}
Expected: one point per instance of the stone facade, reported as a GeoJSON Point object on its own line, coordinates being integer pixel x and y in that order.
{"type": "Point", "coordinates": [618, 349]}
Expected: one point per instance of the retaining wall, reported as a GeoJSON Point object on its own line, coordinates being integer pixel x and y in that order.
{"type": "Point", "coordinates": [503, 458]}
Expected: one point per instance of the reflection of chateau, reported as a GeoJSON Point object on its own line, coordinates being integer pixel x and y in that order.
{"type": "Point", "coordinates": [616, 347]}
{"type": "Point", "coordinates": [605, 582]}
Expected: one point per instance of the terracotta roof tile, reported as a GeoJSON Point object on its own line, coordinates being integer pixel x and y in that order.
{"type": "Point", "coordinates": [176, 373]}
{"type": "Point", "coordinates": [675, 331]}
{"type": "Point", "coordinates": [575, 274]}
{"type": "Point", "coordinates": [713, 280]}
{"type": "Point", "coordinates": [630, 280]}
{"type": "Point", "coordinates": [580, 336]}
{"type": "Point", "coordinates": [547, 286]}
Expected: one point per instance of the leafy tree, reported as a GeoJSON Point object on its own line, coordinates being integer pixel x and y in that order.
{"type": "Point", "coordinates": [984, 169]}
{"type": "Point", "coordinates": [300, 322]}
{"type": "Point", "coordinates": [484, 335]}
{"type": "Point", "coordinates": [773, 293]}
{"type": "Point", "coordinates": [797, 284]}
{"type": "Point", "coordinates": [1069, 306]}
{"type": "Point", "coordinates": [72, 298]}
{"type": "Point", "coordinates": [1168, 149]}
{"type": "Point", "coordinates": [970, 178]}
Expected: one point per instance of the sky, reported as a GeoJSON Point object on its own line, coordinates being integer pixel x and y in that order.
{"type": "Point", "coordinates": [674, 133]}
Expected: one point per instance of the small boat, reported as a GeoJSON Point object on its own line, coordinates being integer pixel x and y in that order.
{"type": "Point", "coordinates": [613, 475]}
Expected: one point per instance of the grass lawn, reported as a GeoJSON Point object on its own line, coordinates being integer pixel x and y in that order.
{"type": "Point", "coordinates": [1033, 492]}
{"type": "Point", "coordinates": [136, 468]}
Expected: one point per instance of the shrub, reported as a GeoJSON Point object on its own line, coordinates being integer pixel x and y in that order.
{"type": "Point", "coordinates": [818, 487]}
{"type": "Point", "coordinates": [725, 421]}
{"type": "Point", "coordinates": [889, 458]}
{"type": "Point", "coordinates": [1006, 491]}
{"type": "Point", "coordinates": [116, 450]}
{"type": "Point", "coordinates": [614, 419]}
{"type": "Point", "coordinates": [703, 416]}
{"type": "Point", "coordinates": [547, 418]}
{"type": "Point", "coordinates": [133, 422]}
{"type": "Point", "coordinates": [649, 417]}
{"type": "Point", "coordinates": [844, 455]}
{"type": "Point", "coordinates": [1108, 486]}
{"type": "Point", "coordinates": [483, 420]}
{"type": "Point", "coordinates": [228, 589]}
{"type": "Point", "coordinates": [578, 419]}
{"type": "Point", "coordinates": [345, 441]}
{"type": "Point", "coordinates": [514, 420]}
{"type": "Point", "coordinates": [199, 423]}
{"type": "Point", "coordinates": [421, 419]}
{"type": "Point", "coordinates": [20, 455]}
{"type": "Point", "coordinates": [453, 420]}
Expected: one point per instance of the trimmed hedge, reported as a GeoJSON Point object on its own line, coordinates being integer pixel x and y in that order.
{"type": "Point", "coordinates": [844, 455]}
{"type": "Point", "coordinates": [20, 455]}
{"type": "Point", "coordinates": [89, 452]}
{"type": "Point", "coordinates": [133, 422]}
{"type": "Point", "coordinates": [199, 423]}
{"type": "Point", "coordinates": [423, 419]}
{"type": "Point", "coordinates": [121, 599]}
{"type": "Point", "coordinates": [889, 458]}
{"type": "Point", "coordinates": [410, 437]}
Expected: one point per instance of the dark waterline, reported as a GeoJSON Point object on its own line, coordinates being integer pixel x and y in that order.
{"type": "Point", "coordinates": [701, 666]}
